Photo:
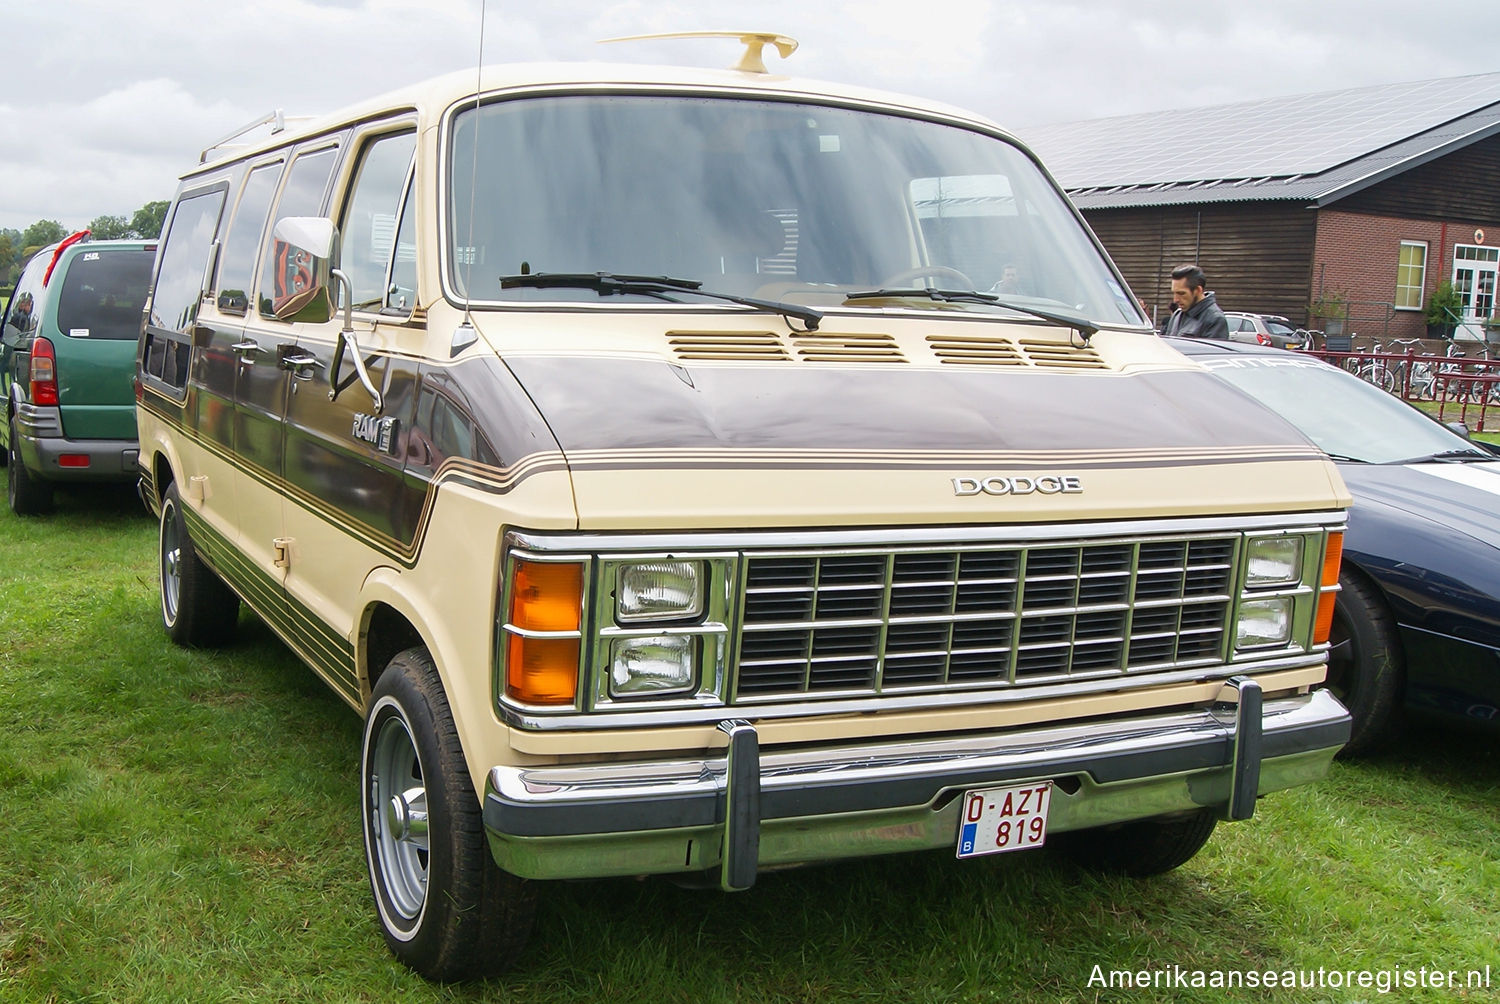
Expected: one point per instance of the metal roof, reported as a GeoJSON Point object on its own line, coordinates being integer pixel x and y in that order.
{"type": "Point", "coordinates": [1310, 147]}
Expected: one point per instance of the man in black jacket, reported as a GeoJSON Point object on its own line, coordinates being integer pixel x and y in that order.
{"type": "Point", "coordinates": [1197, 314]}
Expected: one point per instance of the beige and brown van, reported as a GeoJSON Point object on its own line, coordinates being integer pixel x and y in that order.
{"type": "Point", "coordinates": [695, 473]}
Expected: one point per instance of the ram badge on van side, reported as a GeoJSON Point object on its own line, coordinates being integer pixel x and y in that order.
{"type": "Point", "coordinates": [694, 473]}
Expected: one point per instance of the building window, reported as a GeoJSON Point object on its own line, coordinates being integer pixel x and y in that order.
{"type": "Point", "coordinates": [1411, 275]}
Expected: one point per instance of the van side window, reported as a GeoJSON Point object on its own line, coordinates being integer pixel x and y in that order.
{"type": "Point", "coordinates": [306, 183]}
{"type": "Point", "coordinates": [21, 319]}
{"type": "Point", "coordinates": [370, 223]}
{"type": "Point", "coordinates": [166, 349]}
{"type": "Point", "coordinates": [237, 259]}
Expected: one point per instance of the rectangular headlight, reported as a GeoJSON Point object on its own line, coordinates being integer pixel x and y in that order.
{"type": "Point", "coordinates": [659, 590]}
{"type": "Point", "coordinates": [1264, 623]}
{"type": "Point", "coordinates": [1273, 561]}
{"type": "Point", "coordinates": [662, 664]}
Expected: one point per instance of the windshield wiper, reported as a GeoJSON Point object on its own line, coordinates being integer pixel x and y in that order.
{"type": "Point", "coordinates": [1078, 322]}
{"type": "Point", "coordinates": [617, 284]}
{"type": "Point", "coordinates": [1465, 456]}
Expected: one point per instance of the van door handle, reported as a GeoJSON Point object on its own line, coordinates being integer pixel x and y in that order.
{"type": "Point", "coordinates": [245, 348]}
{"type": "Point", "coordinates": [300, 363]}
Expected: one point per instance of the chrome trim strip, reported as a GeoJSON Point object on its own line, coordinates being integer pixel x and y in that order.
{"type": "Point", "coordinates": [952, 537]}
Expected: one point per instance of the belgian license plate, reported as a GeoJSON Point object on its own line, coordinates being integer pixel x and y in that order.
{"type": "Point", "coordinates": [1004, 819]}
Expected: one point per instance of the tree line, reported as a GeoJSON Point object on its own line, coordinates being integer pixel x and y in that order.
{"type": "Point", "coordinates": [17, 246]}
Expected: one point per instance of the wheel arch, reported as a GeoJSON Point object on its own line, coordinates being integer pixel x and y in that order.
{"type": "Point", "coordinates": [390, 621]}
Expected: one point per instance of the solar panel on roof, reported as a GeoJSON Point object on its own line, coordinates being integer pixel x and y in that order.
{"type": "Point", "coordinates": [1273, 137]}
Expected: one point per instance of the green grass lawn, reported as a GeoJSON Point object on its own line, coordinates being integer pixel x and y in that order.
{"type": "Point", "coordinates": [183, 826]}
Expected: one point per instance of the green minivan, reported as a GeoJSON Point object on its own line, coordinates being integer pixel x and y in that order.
{"type": "Point", "coordinates": [67, 367]}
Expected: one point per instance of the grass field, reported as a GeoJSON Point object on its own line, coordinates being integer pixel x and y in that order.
{"type": "Point", "coordinates": [183, 826]}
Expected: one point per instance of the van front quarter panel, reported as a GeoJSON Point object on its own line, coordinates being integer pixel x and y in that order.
{"type": "Point", "coordinates": [818, 493]}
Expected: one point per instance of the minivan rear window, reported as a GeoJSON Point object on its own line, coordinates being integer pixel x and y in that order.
{"type": "Point", "coordinates": [104, 292]}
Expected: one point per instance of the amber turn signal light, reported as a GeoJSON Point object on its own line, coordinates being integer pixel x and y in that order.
{"type": "Point", "coordinates": [542, 670]}
{"type": "Point", "coordinates": [544, 596]}
{"type": "Point", "coordinates": [1328, 591]}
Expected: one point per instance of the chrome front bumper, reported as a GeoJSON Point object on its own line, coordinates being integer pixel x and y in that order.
{"type": "Point", "coordinates": [733, 814]}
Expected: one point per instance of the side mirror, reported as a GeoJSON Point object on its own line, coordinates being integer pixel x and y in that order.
{"type": "Point", "coordinates": [302, 266]}
{"type": "Point", "coordinates": [1459, 427]}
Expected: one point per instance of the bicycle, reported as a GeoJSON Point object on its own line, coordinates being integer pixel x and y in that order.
{"type": "Point", "coordinates": [1485, 392]}
{"type": "Point", "coordinates": [1416, 378]}
{"type": "Point", "coordinates": [1448, 374]}
{"type": "Point", "coordinates": [1374, 370]}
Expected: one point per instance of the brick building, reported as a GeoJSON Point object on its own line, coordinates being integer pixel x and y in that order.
{"type": "Point", "coordinates": [1360, 201]}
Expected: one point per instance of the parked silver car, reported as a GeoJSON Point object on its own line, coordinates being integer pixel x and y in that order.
{"type": "Point", "coordinates": [1265, 329]}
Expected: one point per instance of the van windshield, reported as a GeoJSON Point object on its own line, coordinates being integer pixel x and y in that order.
{"type": "Point", "coordinates": [797, 202]}
{"type": "Point", "coordinates": [103, 293]}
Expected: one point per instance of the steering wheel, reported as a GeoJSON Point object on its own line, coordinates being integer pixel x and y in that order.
{"type": "Point", "coordinates": [930, 271]}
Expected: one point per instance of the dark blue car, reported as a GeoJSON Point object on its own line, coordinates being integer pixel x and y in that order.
{"type": "Point", "coordinates": [1417, 624]}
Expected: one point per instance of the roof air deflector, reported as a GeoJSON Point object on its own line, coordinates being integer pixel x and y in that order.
{"type": "Point", "coordinates": [754, 42]}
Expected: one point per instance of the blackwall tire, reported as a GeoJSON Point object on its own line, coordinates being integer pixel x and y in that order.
{"type": "Point", "coordinates": [1365, 664]}
{"type": "Point", "coordinates": [445, 908]}
{"type": "Point", "coordinates": [197, 608]}
{"type": "Point", "coordinates": [1142, 848]}
{"type": "Point", "coordinates": [27, 494]}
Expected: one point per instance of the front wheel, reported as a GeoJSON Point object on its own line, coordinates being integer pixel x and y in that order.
{"type": "Point", "coordinates": [1142, 848]}
{"type": "Point", "coordinates": [446, 909]}
{"type": "Point", "coordinates": [1364, 663]}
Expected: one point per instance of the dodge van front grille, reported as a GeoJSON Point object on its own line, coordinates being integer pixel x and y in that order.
{"type": "Point", "coordinates": [866, 622]}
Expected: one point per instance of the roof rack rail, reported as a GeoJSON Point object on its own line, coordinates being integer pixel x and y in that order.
{"type": "Point", "coordinates": [277, 120]}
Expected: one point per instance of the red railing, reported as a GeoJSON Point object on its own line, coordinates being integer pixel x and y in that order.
{"type": "Point", "coordinates": [1464, 388]}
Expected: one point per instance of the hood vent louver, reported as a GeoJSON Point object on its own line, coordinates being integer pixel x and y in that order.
{"type": "Point", "coordinates": [1055, 356]}
{"type": "Point", "coordinates": [836, 348]}
{"type": "Point", "coordinates": [972, 351]}
{"type": "Point", "coordinates": [734, 346]}
{"type": "Point", "coordinates": [976, 351]}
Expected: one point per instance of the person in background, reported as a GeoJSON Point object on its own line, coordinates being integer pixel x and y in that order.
{"type": "Point", "coordinates": [1197, 314]}
{"type": "Point", "coordinates": [1010, 280]}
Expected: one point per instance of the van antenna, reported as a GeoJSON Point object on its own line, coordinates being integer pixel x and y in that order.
{"type": "Point", "coordinates": [465, 335]}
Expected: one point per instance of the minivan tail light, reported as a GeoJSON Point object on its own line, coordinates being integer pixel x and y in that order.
{"type": "Point", "coordinates": [43, 372]}
{"type": "Point", "coordinates": [1262, 338]}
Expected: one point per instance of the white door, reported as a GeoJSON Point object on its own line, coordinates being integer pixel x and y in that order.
{"type": "Point", "coordinates": [1475, 268]}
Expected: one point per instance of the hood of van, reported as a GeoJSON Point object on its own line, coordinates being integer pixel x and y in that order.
{"type": "Point", "coordinates": [655, 443]}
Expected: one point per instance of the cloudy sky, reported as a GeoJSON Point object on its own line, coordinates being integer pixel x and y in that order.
{"type": "Point", "coordinates": [104, 102]}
